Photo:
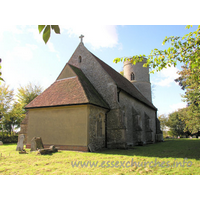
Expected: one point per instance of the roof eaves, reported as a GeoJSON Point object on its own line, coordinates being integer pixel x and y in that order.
{"type": "Point", "coordinates": [149, 104]}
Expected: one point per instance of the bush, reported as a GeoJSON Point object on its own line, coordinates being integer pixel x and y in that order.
{"type": "Point", "coordinates": [9, 139]}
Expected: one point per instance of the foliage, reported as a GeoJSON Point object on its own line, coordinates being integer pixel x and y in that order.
{"type": "Point", "coordinates": [47, 31]}
{"type": "Point", "coordinates": [6, 98]}
{"type": "Point", "coordinates": [188, 81]}
{"type": "Point", "coordinates": [163, 120]}
{"type": "Point", "coordinates": [12, 111]}
{"type": "Point", "coordinates": [27, 93]}
{"type": "Point", "coordinates": [185, 50]}
{"type": "Point", "coordinates": [13, 118]}
{"type": "Point", "coordinates": [176, 123]}
{"type": "Point", "coordinates": [122, 73]}
{"type": "Point", "coordinates": [1, 79]}
{"type": "Point", "coordinates": [7, 138]}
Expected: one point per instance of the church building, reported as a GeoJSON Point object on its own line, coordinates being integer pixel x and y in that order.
{"type": "Point", "coordinates": [91, 106]}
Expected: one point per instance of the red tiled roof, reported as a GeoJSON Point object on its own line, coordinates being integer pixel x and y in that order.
{"type": "Point", "coordinates": [69, 91]}
{"type": "Point", "coordinates": [124, 84]}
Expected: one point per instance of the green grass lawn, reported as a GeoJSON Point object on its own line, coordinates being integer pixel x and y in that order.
{"type": "Point", "coordinates": [161, 158]}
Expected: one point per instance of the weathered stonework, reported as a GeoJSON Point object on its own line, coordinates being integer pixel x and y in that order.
{"type": "Point", "coordinates": [141, 77]}
{"type": "Point", "coordinates": [96, 116]}
{"type": "Point", "coordinates": [96, 74]}
{"type": "Point", "coordinates": [128, 118]}
{"type": "Point", "coordinates": [135, 125]}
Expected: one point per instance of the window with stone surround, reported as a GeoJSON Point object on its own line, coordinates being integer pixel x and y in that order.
{"type": "Point", "coordinates": [79, 59]}
{"type": "Point", "coordinates": [132, 76]}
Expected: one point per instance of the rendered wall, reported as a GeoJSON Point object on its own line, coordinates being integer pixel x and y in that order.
{"type": "Point", "coordinates": [65, 125]}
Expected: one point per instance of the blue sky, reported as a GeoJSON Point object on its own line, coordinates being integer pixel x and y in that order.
{"type": "Point", "coordinates": [25, 57]}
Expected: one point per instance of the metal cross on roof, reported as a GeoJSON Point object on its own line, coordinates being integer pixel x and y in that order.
{"type": "Point", "coordinates": [81, 38]}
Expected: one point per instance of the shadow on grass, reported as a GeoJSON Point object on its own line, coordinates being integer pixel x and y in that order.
{"type": "Point", "coordinates": [175, 148]}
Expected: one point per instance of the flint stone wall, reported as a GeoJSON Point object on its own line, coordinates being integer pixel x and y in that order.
{"type": "Point", "coordinates": [129, 104]}
{"type": "Point", "coordinates": [96, 142]}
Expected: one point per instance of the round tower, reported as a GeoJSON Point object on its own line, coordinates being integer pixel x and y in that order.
{"type": "Point", "coordinates": [139, 77]}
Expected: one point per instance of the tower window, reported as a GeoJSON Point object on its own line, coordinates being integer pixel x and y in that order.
{"type": "Point", "coordinates": [132, 76]}
{"type": "Point", "coordinates": [79, 59]}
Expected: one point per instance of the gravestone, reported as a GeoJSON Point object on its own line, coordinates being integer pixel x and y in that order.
{"type": "Point", "coordinates": [20, 143]}
{"type": "Point", "coordinates": [1, 143]}
{"type": "Point", "coordinates": [36, 143]}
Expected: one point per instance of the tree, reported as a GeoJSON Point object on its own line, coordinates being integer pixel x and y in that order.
{"type": "Point", "coordinates": [27, 93]}
{"type": "Point", "coordinates": [184, 50]}
{"type": "Point", "coordinates": [189, 83]}
{"type": "Point", "coordinates": [176, 123]}
{"type": "Point", "coordinates": [13, 118]}
{"type": "Point", "coordinates": [163, 123]}
{"type": "Point", "coordinates": [6, 98]}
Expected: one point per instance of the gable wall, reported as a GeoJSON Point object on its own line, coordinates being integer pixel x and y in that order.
{"type": "Point", "coordinates": [67, 72]}
{"type": "Point", "coordinates": [96, 74]}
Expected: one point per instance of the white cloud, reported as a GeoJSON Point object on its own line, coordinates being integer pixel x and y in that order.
{"type": "Point", "coordinates": [23, 52]}
{"type": "Point", "coordinates": [166, 77]}
{"type": "Point", "coordinates": [35, 33]}
{"type": "Point", "coordinates": [97, 35]}
{"type": "Point", "coordinates": [38, 38]}
{"type": "Point", "coordinates": [176, 106]}
{"type": "Point", "coordinates": [51, 47]}
{"type": "Point", "coordinates": [9, 28]}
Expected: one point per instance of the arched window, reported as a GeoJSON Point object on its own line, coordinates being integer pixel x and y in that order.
{"type": "Point", "coordinates": [79, 59]}
{"type": "Point", "coordinates": [132, 76]}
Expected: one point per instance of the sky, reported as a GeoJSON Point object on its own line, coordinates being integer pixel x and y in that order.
{"type": "Point", "coordinates": [26, 58]}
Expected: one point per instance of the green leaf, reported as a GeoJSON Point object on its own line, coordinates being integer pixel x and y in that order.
{"type": "Point", "coordinates": [116, 60]}
{"type": "Point", "coordinates": [56, 29]}
{"type": "Point", "coordinates": [46, 34]}
{"type": "Point", "coordinates": [40, 28]}
{"type": "Point", "coordinates": [188, 26]}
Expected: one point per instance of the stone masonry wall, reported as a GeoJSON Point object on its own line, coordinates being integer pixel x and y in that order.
{"type": "Point", "coordinates": [107, 88]}
{"type": "Point", "coordinates": [95, 140]}
{"type": "Point", "coordinates": [96, 74]}
{"type": "Point", "coordinates": [129, 104]}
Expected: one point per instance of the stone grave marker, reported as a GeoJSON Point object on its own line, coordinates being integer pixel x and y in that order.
{"type": "Point", "coordinates": [36, 143]}
{"type": "Point", "coordinates": [1, 143]}
{"type": "Point", "coordinates": [20, 143]}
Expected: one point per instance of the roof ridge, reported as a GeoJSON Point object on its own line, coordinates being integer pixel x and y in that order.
{"type": "Point", "coordinates": [126, 81]}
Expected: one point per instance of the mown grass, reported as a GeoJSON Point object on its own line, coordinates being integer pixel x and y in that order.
{"type": "Point", "coordinates": [168, 153]}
